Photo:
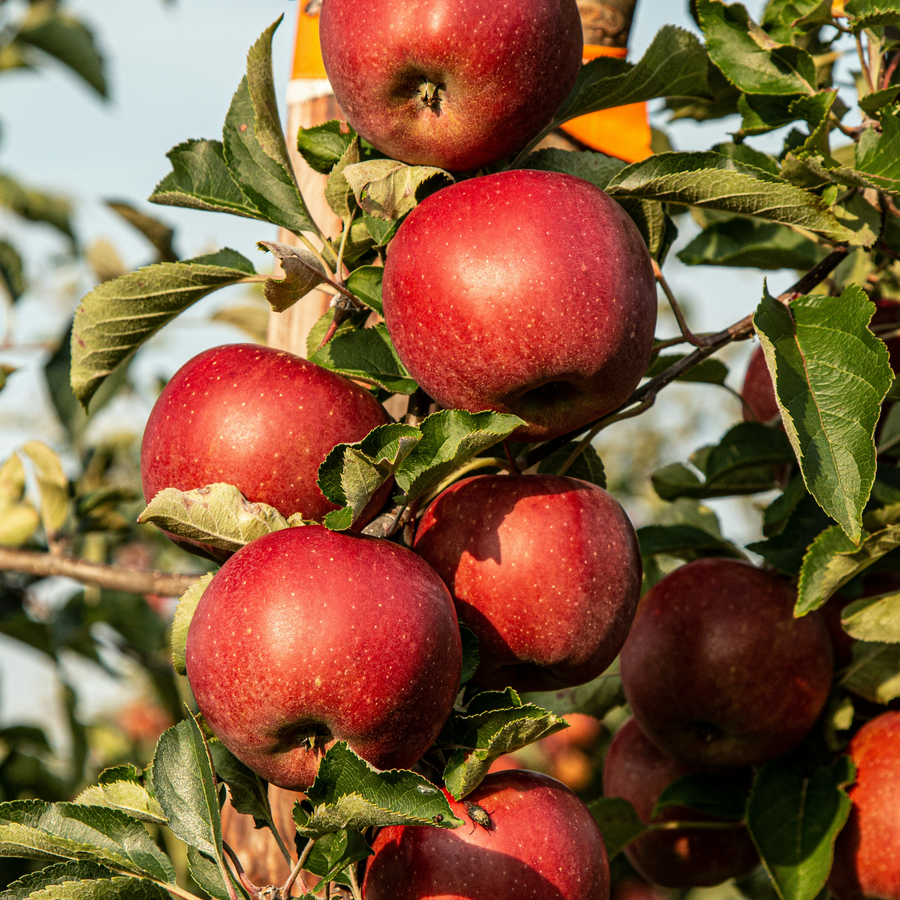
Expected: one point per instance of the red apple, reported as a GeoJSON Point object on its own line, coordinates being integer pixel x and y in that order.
{"type": "Point", "coordinates": [545, 570]}
{"type": "Point", "coordinates": [446, 83]}
{"type": "Point", "coordinates": [260, 419]}
{"type": "Point", "coordinates": [866, 854]}
{"type": "Point", "coordinates": [717, 670]}
{"type": "Point", "coordinates": [681, 858]}
{"type": "Point", "coordinates": [306, 637]}
{"type": "Point", "coordinates": [538, 842]}
{"type": "Point", "coordinates": [523, 292]}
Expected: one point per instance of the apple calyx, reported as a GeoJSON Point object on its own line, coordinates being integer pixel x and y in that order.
{"type": "Point", "coordinates": [431, 94]}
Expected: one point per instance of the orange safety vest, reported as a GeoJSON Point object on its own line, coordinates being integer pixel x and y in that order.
{"type": "Point", "coordinates": [623, 132]}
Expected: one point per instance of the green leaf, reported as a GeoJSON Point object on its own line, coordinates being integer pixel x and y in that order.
{"type": "Point", "coordinates": [115, 318]}
{"type": "Point", "coordinates": [207, 874]}
{"type": "Point", "coordinates": [794, 819]}
{"type": "Point", "coordinates": [595, 698]}
{"type": "Point", "coordinates": [874, 673]}
{"type": "Point", "coordinates": [872, 13]}
{"type": "Point", "coordinates": [786, 548]}
{"type": "Point", "coordinates": [716, 181]}
{"type": "Point", "coordinates": [349, 794]}
{"type": "Point", "coordinates": [878, 154]}
{"type": "Point", "coordinates": [157, 233]}
{"type": "Point", "coordinates": [200, 179]}
{"type": "Point", "coordinates": [12, 277]}
{"type": "Point", "coordinates": [450, 438]}
{"type": "Point", "coordinates": [82, 881]}
{"type": "Point", "coordinates": [36, 206]}
{"type": "Point", "coordinates": [249, 793]}
{"type": "Point", "coordinates": [334, 852]}
{"type": "Point", "coordinates": [182, 780]}
{"type": "Point", "coordinates": [500, 724]}
{"type": "Point", "coordinates": [122, 787]}
{"type": "Point", "coordinates": [67, 40]}
{"type": "Point", "coordinates": [587, 466]}
{"type": "Point", "coordinates": [833, 560]}
{"type": "Point", "coordinates": [53, 486]}
{"type": "Point", "coordinates": [873, 619]}
{"type": "Point", "coordinates": [303, 272]}
{"type": "Point", "coordinates": [597, 168]}
{"type": "Point", "coordinates": [748, 57]}
{"type": "Point", "coordinates": [471, 653]}
{"type": "Point", "coordinates": [217, 515]}
{"type": "Point", "coordinates": [338, 192]}
{"type": "Point", "coordinates": [352, 473]}
{"type": "Point", "coordinates": [674, 65]}
{"type": "Point", "coordinates": [751, 243]}
{"type": "Point", "coordinates": [619, 823]}
{"type": "Point", "coordinates": [322, 146]}
{"type": "Point", "coordinates": [684, 542]}
{"type": "Point", "coordinates": [365, 284]}
{"type": "Point", "coordinates": [719, 794]}
{"type": "Point", "coordinates": [873, 103]}
{"type": "Point", "coordinates": [58, 831]}
{"type": "Point", "coordinates": [709, 371]}
{"type": "Point", "coordinates": [184, 612]}
{"type": "Point", "coordinates": [830, 374]}
{"type": "Point", "coordinates": [18, 518]}
{"type": "Point", "coordinates": [366, 354]}
{"type": "Point", "coordinates": [388, 189]}
{"type": "Point", "coordinates": [795, 16]}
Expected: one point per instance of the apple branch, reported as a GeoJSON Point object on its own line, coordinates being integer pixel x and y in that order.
{"type": "Point", "coordinates": [646, 395]}
{"type": "Point", "coordinates": [128, 579]}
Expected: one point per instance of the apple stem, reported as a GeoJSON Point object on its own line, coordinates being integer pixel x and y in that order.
{"type": "Point", "coordinates": [241, 874]}
{"type": "Point", "coordinates": [354, 883]}
{"type": "Point", "coordinates": [686, 332]}
{"type": "Point", "coordinates": [513, 468]}
{"type": "Point", "coordinates": [295, 872]}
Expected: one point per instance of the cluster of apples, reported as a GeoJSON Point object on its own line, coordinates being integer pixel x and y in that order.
{"type": "Point", "coordinates": [525, 292]}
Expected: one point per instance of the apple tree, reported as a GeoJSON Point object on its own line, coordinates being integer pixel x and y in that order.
{"type": "Point", "coordinates": [802, 623]}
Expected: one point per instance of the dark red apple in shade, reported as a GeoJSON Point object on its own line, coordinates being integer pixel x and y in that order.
{"type": "Point", "coordinates": [307, 636]}
{"type": "Point", "coordinates": [867, 851]}
{"type": "Point", "coordinates": [717, 670]}
{"type": "Point", "coordinates": [523, 292]}
{"type": "Point", "coordinates": [446, 83]}
{"type": "Point", "coordinates": [539, 842]}
{"type": "Point", "coordinates": [681, 858]}
{"type": "Point", "coordinates": [546, 570]}
{"type": "Point", "coordinates": [260, 419]}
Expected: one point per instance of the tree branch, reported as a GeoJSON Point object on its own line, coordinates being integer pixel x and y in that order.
{"type": "Point", "coordinates": [117, 578]}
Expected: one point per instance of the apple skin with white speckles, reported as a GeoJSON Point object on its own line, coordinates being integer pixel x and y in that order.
{"type": "Point", "coordinates": [546, 570]}
{"type": "Point", "coordinates": [867, 851]}
{"type": "Point", "coordinates": [258, 418]}
{"type": "Point", "coordinates": [523, 292]}
{"type": "Point", "coordinates": [542, 844]}
{"type": "Point", "coordinates": [502, 68]}
{"type": "Point", "coordinates": [308, 633]}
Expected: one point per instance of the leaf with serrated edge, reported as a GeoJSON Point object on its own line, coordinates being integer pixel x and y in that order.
{"type": "Point", "coordinates": [875, 671]}
{"type": "Point", "coordinates": [485, 736]}
{"type": "Point", "coordinates": [366, 354]}
{"type": "Point", "coordinates": [878, 154]}
{"type": "Point", "coordinates": [388, 189]}
{"type": "Point", "coordinates": [122, 788]}
{"type": "Point", "coordinates": [349, 794]}
{"type": "Point", "coordinates": [249, 792]}
{"type": "Point", "coordinates": [184, 612]}
{"type": "Point", "coordinates": [595, 698]}
{"type": "Point", "coordinates": [450, 438]}
{"type": "Point", "coordinates": [674, 65]}
{"type": "Point", "coordinates": [82, 881]}
{"type": "Point", "coordinates": [200, 179]}
{"type": "Point", "coordinates": [333, 853]}
{"type": "Point", "coordinates": [115, 318]}
{"type": "Point", "coordinates": [53, 485]}
{"type": "Point", "coordinates": [871, 13]}
{"type": "Point", "coordinates": [57, 831]}
{"type": "Point", "coordinates": [302, 273]}
{"type": "Point", "coordinates": [794, 821]}
{"type": "Point", "coordinates": [322, 146]}
{"type": "Point", "coordinates": [338, 193]}
{"type": "Point", "coordinates": [873, 619]}
{"type": "Point", "coordinates": [830, 374]}
{"type": "Point", "coordinates": [182, 780]}
{"type": "Point", "coordinates": [365, 284]}
{"type": "Point", "coordinates": [217, 515]}
{"type": "Point", "coordinates": [716, 181]}
{"type": "Point", "coordinates": [619, 823]}
{"type": "Point", "coordinates": [352, 473]}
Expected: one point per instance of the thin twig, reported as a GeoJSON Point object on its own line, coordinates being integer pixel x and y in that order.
{"type": "Point", "coordinates": [354, 883]}
{"type": "Point", "coordinates": [686, 332]}
{"type": "Point", "coordinates": [298, 868]}
{"type": "Point", "coordinates": [128, 579]}
{"type": "Point", "coordinates": [864, 62]}
{"type": "Point", "coordinates": [242, 875]}
{"type": "Point", "coordinates": [513, 468]}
